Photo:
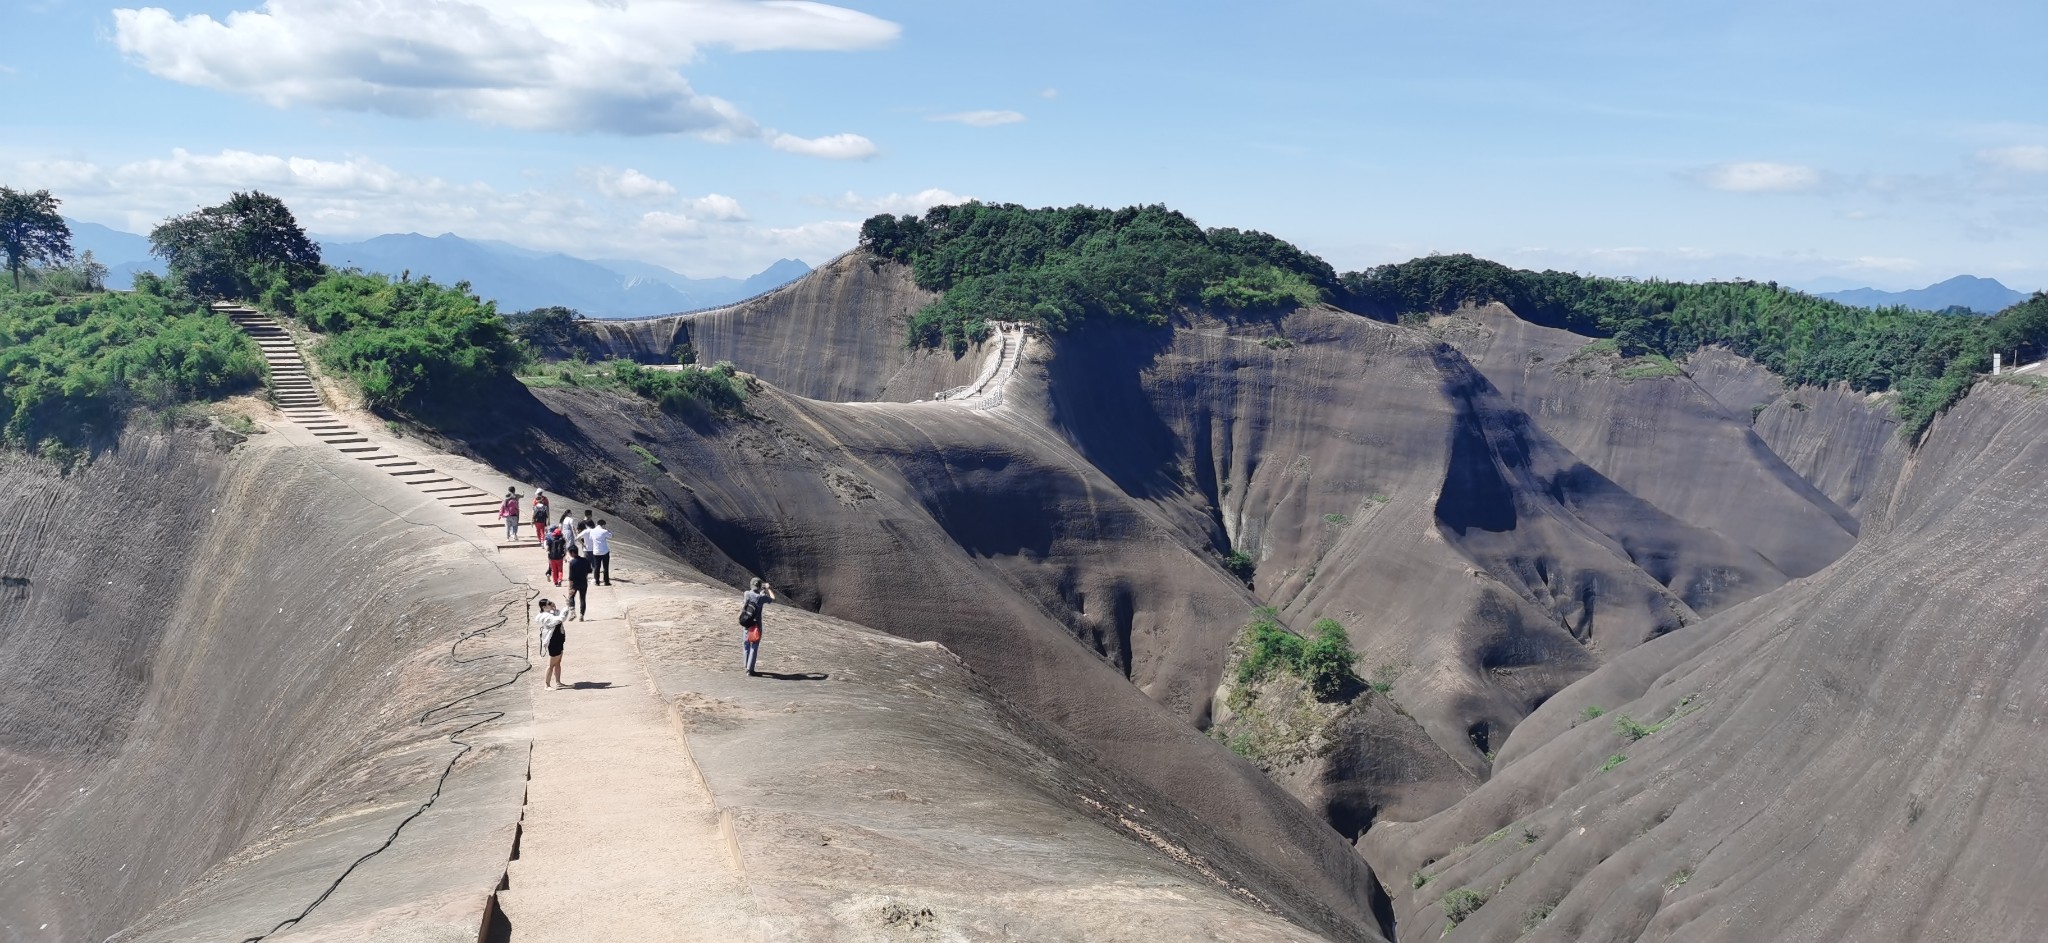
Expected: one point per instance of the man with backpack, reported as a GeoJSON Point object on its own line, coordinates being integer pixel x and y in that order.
{"type": "Point", "coordinates": [759, 594]}
{"type": "Point", "coordinates": [558, 548]}
{"type": "Point", "coordinates": [579, 585]}
{"type": "Point", "coordinates": [540, 514]}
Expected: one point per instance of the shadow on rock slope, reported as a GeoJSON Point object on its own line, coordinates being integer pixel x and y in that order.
{"type": "Point", "coordinates": [1069, 544]}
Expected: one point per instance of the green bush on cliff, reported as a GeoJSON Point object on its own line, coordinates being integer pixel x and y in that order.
{"type": "Point", "coordinates": [1325, 662]}
{"type": "Point", "coordinates": [71, 367]}
{"type": "Point", "coordinates": [718, 387]}
{"type": "Point", "coordinates": [410, 342]}
{"type": "Point", "coordinates": [1059, 267]}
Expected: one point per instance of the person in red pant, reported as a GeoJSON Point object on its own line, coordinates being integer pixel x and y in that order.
{"type": "Point", "coordinates": [540, 514]}
{"type": "Point", "coordinates": [558, 547]}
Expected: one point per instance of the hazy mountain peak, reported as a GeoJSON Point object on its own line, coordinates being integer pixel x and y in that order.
{"type": "Point", "coordinates": [1982, 295]}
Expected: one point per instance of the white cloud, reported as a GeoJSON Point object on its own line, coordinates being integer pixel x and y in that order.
{"type": "Point", "coordinates": [632, 185]}
{"type": "Point", "coordinates": [357, 197]}
{"type": "Point", "coordinates": [1760, 176]}
{"type": "Point", "coordinates": [981, 119]}
{"type": "Point", "coordinates": [2025, 158]}
{"type": "Point", "coordinates": [719, 207]}
{"type": "Point", "coordinates": [559, 65]}
{"type": "Point", "coordinates": [897, 203]}
{"type": "Point", "coordinates": [1049, 93]}
{"type": "Point", "coordinates": [830, 147]}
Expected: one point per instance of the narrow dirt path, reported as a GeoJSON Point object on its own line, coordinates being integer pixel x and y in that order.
{"type": "Point", "coordinates": [621, 840]}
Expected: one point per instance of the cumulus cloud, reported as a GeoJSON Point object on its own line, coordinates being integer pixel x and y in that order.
{"type": "Point", "coordinates": [1760, 176]}
{"type": "Point", "coordinates": [718, 206]}
{"type": "Point", "coordinates": [981, 119]}
{"type": "Point", "coordinates": [632, 186]}
{"type": "Point", "coordinates": [897, 203]}
{"type": "Point", "coordinates": [2025, 158]}
{"type": "Point", "coordinates": [356, 197]}
{"type": "Point", "coordinates": [830, 147]}
{"type": "Point", "coordinates": [558, 65]}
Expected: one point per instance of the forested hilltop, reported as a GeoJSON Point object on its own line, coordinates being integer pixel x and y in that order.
{"type": "Point", "coordinates": [1059, 267]}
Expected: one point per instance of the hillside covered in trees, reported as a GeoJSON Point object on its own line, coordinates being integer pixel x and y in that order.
{"type": "Point", "coordinates": [1059, 267]}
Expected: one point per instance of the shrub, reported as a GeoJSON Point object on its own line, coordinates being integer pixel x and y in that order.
{"type": "Point", "coordinates": [717, 388]}
{"type": "Point", "coordinates": [1462, 903]}
{"type": "Point", "coordinates": [71, 369]}
{"type": "Point", "coordinates": [1593, 711]}
{"type": "Point", "coordinates": [410, 343]}
{"type": "Point", "coordinates": [1240, 564]}
{"type": "Point", "coordinates": [1326, 663]}
{"type": "Point", "coordinates": [1613, 761]}
{"type": "Point", "coordinates": [1631, 729]}
{"type": "Point", "coordinates": [1267, 646]}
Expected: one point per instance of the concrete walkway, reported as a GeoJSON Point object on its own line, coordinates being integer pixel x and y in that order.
{"type": "Point", "coordinates": [621, 840]}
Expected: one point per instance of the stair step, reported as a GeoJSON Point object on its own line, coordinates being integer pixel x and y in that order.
{"type": "Point", "coordinates": [374, 458]}
{"type": "Point", "coordinates": [357, 448]}
{"type": "Point", "coordinates": [516, 546]}
{"type": "Point", "coordinates": [481, 511]}
{"type": "Point", "coordinates": [429, 481]}
{"type": "Point", "coordinates": [412, 471]}
{"type": "Point", "coordinates": [464, 502]}
{"type": "Point", "coordinates": [398, 463]}
{"type": "Point", "coordinates": [444, 491]}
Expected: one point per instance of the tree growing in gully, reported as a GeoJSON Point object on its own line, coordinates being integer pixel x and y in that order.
{"type": "Point", "coordinates": [249, 247]}
{"type": "Point", "coordinates": [31, 231]}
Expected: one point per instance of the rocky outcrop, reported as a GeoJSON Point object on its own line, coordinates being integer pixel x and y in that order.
{"type": "Point", "coordinates": [1849, 757]}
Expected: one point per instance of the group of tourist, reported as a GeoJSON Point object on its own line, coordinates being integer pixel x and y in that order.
{"type": "Point", "coordinates": [587, 546]}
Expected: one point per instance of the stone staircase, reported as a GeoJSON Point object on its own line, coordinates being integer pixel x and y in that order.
{"type": "Point", "coordinates": [298, 398]}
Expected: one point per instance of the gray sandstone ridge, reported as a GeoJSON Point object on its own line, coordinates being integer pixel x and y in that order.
{"type": "Point", "coordinates": [1823, 639]}
{"type": "Point", "coordinates": [214, 669]}
{"type": "Point", "coordinates": [1493, 512]}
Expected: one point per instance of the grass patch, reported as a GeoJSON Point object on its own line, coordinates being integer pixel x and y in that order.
{"type": "Point", "coordinates": [1461, 904]}
{"type": "Point", "coordinates": [1594, 711]}
{"type": "Point", "coordinates": [1613, 761]}
{"type": "Point", "coordinates": [1240, 564]}
{"type": "Point", "coordinates": [647, 459]}
{"type": "Point", "coordinates": [1337, 519]}
{"type": "Point", "coordinates": [1650, 366]}
{"type": "Point", "coordinates": [1677, 879]}
{"type": "Point", "coordinates": [1632, 730]}
{"type": "Point", "coordinates": [1276, 343]}
{"type": "Point", "coordinates": [1535, 916]}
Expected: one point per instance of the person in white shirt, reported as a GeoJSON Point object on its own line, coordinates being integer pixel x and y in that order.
{"type": "Point", "coordinates": [599, 543]}
{"type": "Point", "coordinates": [552, 638]}
{"type": "Point", "coordinates": [569, 528]}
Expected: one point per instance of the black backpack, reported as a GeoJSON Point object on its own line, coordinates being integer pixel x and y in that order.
{"type": "Point", "coordinates": [750, 611]}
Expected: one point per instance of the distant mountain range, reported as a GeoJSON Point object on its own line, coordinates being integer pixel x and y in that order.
{"type": "Point", "coordinates": [1982, 295]}
{"type": "Point", "coordinates": [516, 277]}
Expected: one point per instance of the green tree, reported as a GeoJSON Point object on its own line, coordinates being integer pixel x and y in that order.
{"type": "Point", "coordinates": [31, 230]}
{"type": "Point", "coordinates": [249, 247]}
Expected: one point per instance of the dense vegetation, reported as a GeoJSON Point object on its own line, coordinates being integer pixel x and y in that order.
{"type": "Point", "coordinates": [410, 343]}
{"type": "Point", "coordinates": [1324, 662]}
{"type": "Point", "coordinates": [718, 388]}
{"type": "Point", "coordinates": [1059, 267]}
{"type": "Point", "coordinates": [71, 367]}
{"type": "Point", "coordinates": [1928, 359]}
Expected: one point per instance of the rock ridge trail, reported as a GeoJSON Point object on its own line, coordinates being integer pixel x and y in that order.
{"type": "Point", "coordinates": [891, 794]}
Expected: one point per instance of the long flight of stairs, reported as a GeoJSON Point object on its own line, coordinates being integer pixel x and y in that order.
{"type": "Point", "coordinates": [298, 398]}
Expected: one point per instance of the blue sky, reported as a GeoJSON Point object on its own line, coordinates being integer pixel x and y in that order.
{"type": "Point", "coordinates": [1826, 143]}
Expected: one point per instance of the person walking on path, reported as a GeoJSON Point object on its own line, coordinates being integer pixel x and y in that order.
{"type": "Point", "coordinates": [509, 513]}
{"type": "Point", "coordinates": [759, 594]}
{"type": "Point", "coordinates": [558, 549]}
{"type": "Point", "coordinates": [569, 527]}
{"type": "Point", "coordinates": [540, 514]}
{"type": "Point", "coordinates": [600, 553]}
{"type": "Point", "coordinates": [552, 639]}
{"type": "Point", "coordinates": [579, 584]}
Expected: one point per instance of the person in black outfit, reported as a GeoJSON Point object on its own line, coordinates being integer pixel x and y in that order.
{"type": "Point", "coordinates": [579, 584]}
